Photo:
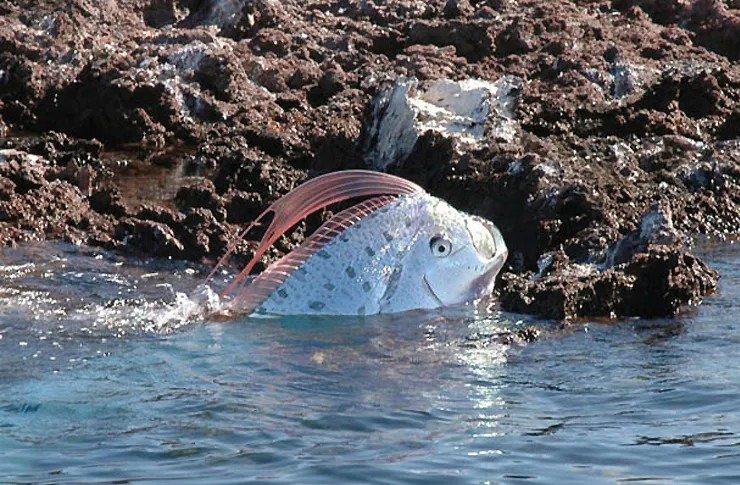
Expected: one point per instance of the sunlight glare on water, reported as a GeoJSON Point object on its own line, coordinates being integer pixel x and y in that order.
{"type": "Point", "coordinates": [110, 368]}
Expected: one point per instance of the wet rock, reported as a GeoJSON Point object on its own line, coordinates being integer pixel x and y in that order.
{"type": "Point", "coordinates": [201, 194]}
{"type": "Point", "coordinates": [528, 334]}
{"type": "Point", "coordinates": [25, 170]}
{"type": "Point", "coordinates": [149, 237]}
{"type": "Point", "coordinates": [58, 148]}
{"type": "Point", "coordinates": [243, 207]}
{"type": "Point", "coordinates": [250, 170]}
{"type": "Point", "coordinates": [656, 283]}
{"type": "Point", "coordinates": [108, 200]}
{"type": "Point", "coordinates": [666, 279]}
{"type": "Point", "coordinates": [656, 228]}
{"type": "Point", "coordinates": [203, 235]}
{"type": "Point", "coordinates": [164, 215]}
{"type": "Point", "coordinates": [54, 210]}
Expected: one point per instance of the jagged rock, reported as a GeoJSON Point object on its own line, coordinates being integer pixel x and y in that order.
{"type": "Point", "coordinates": [656, 283]}
{"type": "Point", "coordinates": [656, 228]}
{"type": "Point", "coordinates": [108, 200]}
{"type": "Point", "coordinates": [201, 194]}
{"type": "Point", "coordinates": [463, 110]}
{"type": "Point", "coordinates": [149, 237]}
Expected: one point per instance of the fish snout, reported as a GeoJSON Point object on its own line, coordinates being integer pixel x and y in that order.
{"type": "Point", "coordinates": [502, 252]}
{"type": "Point", "coordinates": [487, 239]}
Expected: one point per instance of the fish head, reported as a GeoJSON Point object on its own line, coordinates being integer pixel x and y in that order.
{"type": "Point", "coordinates": [459, 255]}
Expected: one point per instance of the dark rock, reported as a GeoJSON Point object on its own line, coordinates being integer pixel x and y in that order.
{"type": "Point", "coordinates": [7, 188]}
{"type": "Point", "coordinates": [471, 40]}
{"type": "Point", "coordinates": [665, 280]}
{"type": "Point", "coordinates": [243, 168]}
{"type": "Point", "coordinates": [243, 207]}
{"type": "Point", "coordinates": [237, 20]}
{"type": "Point", "coordinates": [201, 194]}
{"type": "Point", "coordinates": [108, 200]}
{"type": "Point", "coordinates": [58, 148]}
{"type": "Point", "coordinates": [160, 214]}
{"type": "Point", "coordinates": [203, 235]}
{"type": "Point", "coordinates": [330, 83]}
{"type": "Point", "coordinates": [715, 26]}
{"type": "Point", "coordinates": [528, 334]}
{"type": "Point", "coordinates": [656, 228]}
{"type": "Point", "coordinates": [656, 283]}
{"type": "Point", "coordinates": [26, 171]}
{"type": "Point", "coordinates": [514, 39]}
{"type": "Point", "coordinates": [154, 238]}
{"type": "Point", "coordinates": [457, 8]}
{"type": "Point", "coordinates": [289, 101]}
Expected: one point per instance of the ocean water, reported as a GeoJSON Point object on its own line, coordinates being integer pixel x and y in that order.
{"type": "Point", "coordinates": [111, 369]}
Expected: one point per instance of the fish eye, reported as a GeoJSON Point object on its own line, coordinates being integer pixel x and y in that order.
{"type": "Point", "coordinates": [440, 246]}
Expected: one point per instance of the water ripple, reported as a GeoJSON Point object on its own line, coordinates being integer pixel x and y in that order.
{"type": "Point", "coordinates": [110, 369]}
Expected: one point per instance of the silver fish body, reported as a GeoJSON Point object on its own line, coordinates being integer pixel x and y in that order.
{"type": "Point", "coordinates": [416, 252]}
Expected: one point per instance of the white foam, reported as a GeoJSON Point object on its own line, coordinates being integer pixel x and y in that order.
{"type": "Point", "coordinates": [130, 316]}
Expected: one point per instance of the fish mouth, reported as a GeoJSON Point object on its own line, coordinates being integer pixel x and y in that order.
{"type": "Point", "coordinates": [431, 291]}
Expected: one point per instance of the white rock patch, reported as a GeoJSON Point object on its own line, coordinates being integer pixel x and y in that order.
{"type": "Point", "coordinates": [225, 13]}
{"type": "Point", "coordinates": [465, 110]}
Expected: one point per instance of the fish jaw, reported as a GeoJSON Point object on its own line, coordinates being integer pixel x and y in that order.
{"type": "Point", "coordinates": [494, 263]}
{"type": "Point", "coordinates": [487, 282]}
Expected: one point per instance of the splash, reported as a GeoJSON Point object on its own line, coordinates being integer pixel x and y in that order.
{"type": "Point", "coordinates": [134, 316]}
{"type": "Point", "coordinates": [61, 289]}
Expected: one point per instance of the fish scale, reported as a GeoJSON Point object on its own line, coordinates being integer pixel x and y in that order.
{"type": "Point", "coordinates": [348, 297]}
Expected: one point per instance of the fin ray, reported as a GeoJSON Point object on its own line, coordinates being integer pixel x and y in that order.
{"type": "Point", "coordinates": [266, 283]}
{"type": "Point", "coordinates": [308, 198]}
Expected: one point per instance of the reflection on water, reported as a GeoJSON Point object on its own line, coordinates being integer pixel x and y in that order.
{"type": "Point", "coordinates": [110, 369]}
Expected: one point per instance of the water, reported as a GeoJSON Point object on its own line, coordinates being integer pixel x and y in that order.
{"type": "Point", "coordinates": [108, 371]}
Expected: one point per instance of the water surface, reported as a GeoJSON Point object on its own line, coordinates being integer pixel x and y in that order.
{"type": "Point", "coordinates": [109, 370]}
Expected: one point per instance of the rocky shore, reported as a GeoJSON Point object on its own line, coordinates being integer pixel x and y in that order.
{"type": "Point", "coordinates": [598, 135]}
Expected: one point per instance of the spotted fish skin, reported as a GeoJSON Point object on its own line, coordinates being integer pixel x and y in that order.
{"type": "Point", "coordinates": [354, 277]}
{"type": "Point", "coordinates": [376, 265]}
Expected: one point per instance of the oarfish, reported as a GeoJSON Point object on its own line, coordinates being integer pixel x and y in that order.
{"type": "Point", "coordinates": [401, 249]}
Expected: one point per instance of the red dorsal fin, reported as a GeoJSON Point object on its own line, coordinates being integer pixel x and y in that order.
{"type": "Point", "coordinates": [309, 197]}
{"type": "Point", "coordinates": [270, 280]}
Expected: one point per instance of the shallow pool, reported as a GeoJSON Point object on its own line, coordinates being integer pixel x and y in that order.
{"type": "Point", "coordinates": [109, 370]}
